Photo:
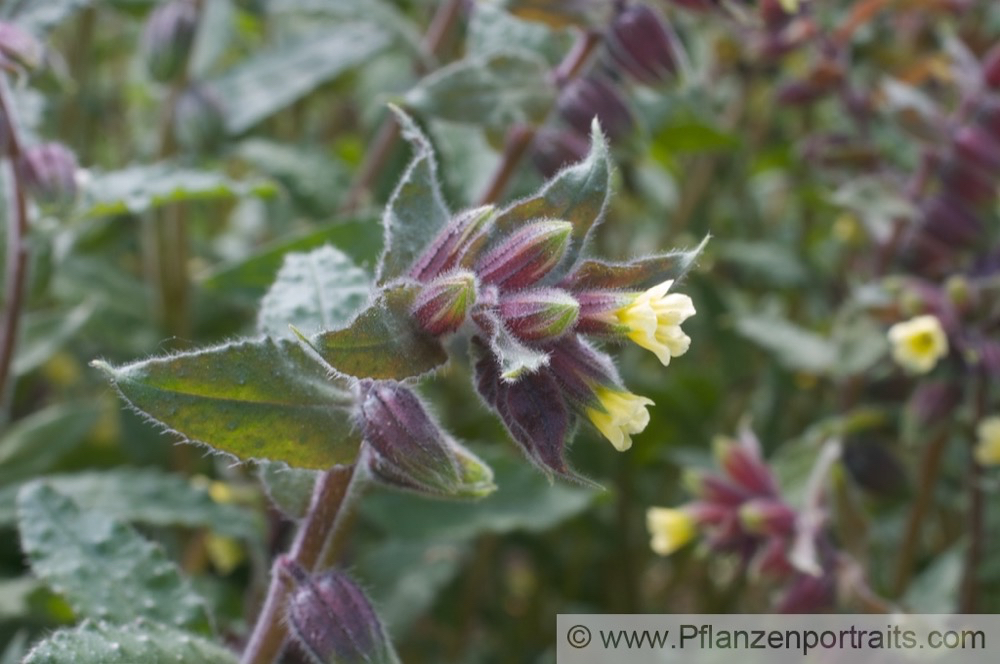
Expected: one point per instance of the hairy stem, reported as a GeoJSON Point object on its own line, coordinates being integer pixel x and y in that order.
{"type": "Point", "coordinates": [441, 26]}
{"type": "Point", "coordinates": [969, 598]}
{"type": "Point", "coordinates": [330, 499]}
{"type": "Point", "coordinates": [520, 138]}
{"type": "Point", "coordinates": [17, 251]}
{"type": "Point", "coordinates": [930, 467]}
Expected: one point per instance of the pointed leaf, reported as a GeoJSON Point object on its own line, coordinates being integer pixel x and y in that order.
{"type": "Point", "coordinates": [416, 211]}
{"type": "Point", "coordinates": [35, 443]}
{"type": "Point", "coordinates": [384, 342]}
{"type": "Point", "coordinates": [104, 568]}
{"type": "Point", "coordinates": [577, 194]}
{"type": "Point", "coordinates": [496, 91]}
{"type": "Point", "coordinates": [634, 275]}
{"type": "Point", "coordinates": [253, 399]}
{"type": "Point", "coordinates": [273, 80]}
{"type": "Point", "coordinates": [149, 643]}
{"type": "Point", "coordinates": [317, 291]}
{"type": "Point", "coordinates": [151, 497]}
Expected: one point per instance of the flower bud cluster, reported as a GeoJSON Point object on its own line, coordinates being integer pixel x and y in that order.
{"type": "Point", "coordinates": [528, 321]}
{"type": "Point", "coordinates": [332, 621]}
{"type": "Point", "coordinates": [951, 217]}
{"type": "Point", "coordinates": [740, 511]}
{"type": "Point", "coordinates": [639, 46]}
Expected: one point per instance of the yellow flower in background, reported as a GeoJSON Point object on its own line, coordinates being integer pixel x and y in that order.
{"type": "Point", "coordinates": [918, 344]}
{"type": "Point", "coordinates": [619, 415]}
{"type": "Point", "coordinates": [654, 321]}
{"type": "Point", "coordinates": [669, 528]}
{"type": "Point", "coordinates": [988, 448]}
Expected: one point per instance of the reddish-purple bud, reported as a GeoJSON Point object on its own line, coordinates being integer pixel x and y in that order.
{"type": "Point", "coordinates": [199, 118]}
{"type": "Point", "coordinates": [950, 221]}
{"type": "Point", "coordinates": [976, 147]}
{"type": "Point", "coordinates": [581, 369]}
{"type": "Point", "coordinates": [539, 314]}
{"type": "Point", "coordinates": [709, 514]}
{"type": "Point", "coordinates": [526, 256]}
{"type": "Point", "coordinates": [455, 245]}
{"type": "Point", "coordinates": [965, 181]}
{"type": "Point", "coordinates": [991, 68]}
{"type": "Point", "coordinates": [767, 516]}
{"type": "Point", "coordinates": [49, 172]}
{"type": "Point", "coordinates": [443, 304]}
{"type": "Point", "coordinates": [771, 560]}
{"type": "Point", "coordinates": [18, 49]}
{"type": "Point", "coordinates": [641, 46]}
{"type": "Point", "coordinates": [742, 463]}
{"type": "Point", "coordinates": [554, 149]}
{"type": "Point", "coordinates": [591, 96]}
{"type": "Point", "coordinates": [168, 38]}
{"type": "Point", "coordinates": [715, 489]}
{"type": "Point", "coordinates": [808, 594]}
{"type": "Point", "coordinates": [409, 450]}
{"type": "Point", "coordinates": [800, 93]}
{"type": "Point", "coordinates": [331, 619]}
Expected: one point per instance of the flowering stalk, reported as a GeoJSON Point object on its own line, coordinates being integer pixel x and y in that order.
{"type": "Point", "coordinates": [17, 249]}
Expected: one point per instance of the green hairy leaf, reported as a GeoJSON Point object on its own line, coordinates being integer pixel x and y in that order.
{"type": "Point", "coordinates": [275, 79]}
{"type": "Point", "coordinates": [37, 442]}
{"type": "Point", "coordinates": [103, 567]}
{"type": "Point", "coordinates": [577, 194]}
{"type": "Point", "coordinates": [142, 641]}
{"type": "Point", "coordinates": [150, 497]}
{"type": "Point", "coordinates": [384, 342]}
{"type": "Point", "coordinates": [416, 211]}
{"type": "Point", "coordinates": [496, 91]}
{"type": "Point", "coordinates": [136, 189]}
{"type": "Point", "coordinates": [253, 399]}
{"type": "Point", "coordinates": [317, 291]}
{"type": "Point", "coordinates": [638, 274]}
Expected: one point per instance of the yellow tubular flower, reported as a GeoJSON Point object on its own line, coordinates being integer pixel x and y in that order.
{"type": "Point", "coordinates": [654, 321]}
{"type": "Point", "coordinates": [988, 447]}
{"type": "Point", "coordinates": [918, 344]}
{"type": "Point", "coordinates": [669, 528]}
{"type": "Point", "coordinates": [619, 415]}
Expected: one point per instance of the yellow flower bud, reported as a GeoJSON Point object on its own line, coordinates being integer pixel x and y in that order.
{"type": "Point", "coordinates": [654, 318]}
{"type": "Point", "coordinates": [988, 448]}
{"type": "Point", "coordinates": [669, 528]}
{"type": "Point", "coordinates": [619, 415]}
{"type": "Point", "coordinates": [918, 344]}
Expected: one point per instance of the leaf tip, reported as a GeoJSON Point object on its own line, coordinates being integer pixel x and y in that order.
{"type": "Point", "coordinates": [104, 367]}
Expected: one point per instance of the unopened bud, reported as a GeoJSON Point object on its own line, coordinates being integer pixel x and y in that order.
{"type": "Point", "coordinates": [771, 560]}
{"type": "Point", "coordinates": [641, 46]}
{"type": "Point", "coordinates": [714, 489]}
{"type": "Point", "coordinates": [591, 96]}
{"type": "Point", "coordinates": [442, 305]}
{"type": "Point", "coordinates": [168, 38]}
{"type": "Point", "coordinates": [950, 221]}
{"type": "Point", "coordinates": [975, 146]}
{"type": "Point", "coordinates": [767, 516]}
{"type": "Point", "coordinates": [49, 172]}
{"type": "Point", "coordinates": [454, 244]}
{"type": "Point", "coordinates": [991, 68]}
{"type": "Point", "coordinates": [18, 49]}
{"type": "Point", "coordinates": [527, 255]}
{"type": "Point", "coordinates": [332, 620]}
{"type": "Point", "coordinates": [742, 463]}
{"type": "Point", "coordinates": [539, 314]}
{"type": "Point", "coordinates": [554, 149]}
{"type": "Point", "coordinates": [199, 118]}
{"type": "Point", "coordinates": [409, 450]}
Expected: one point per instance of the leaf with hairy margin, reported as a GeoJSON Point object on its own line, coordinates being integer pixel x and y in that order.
{"type": "Point", "coordinates": [416, 211]}
{"type": "Point", "coordinates": [578, 194]}
{"type": "Point", "coordinates": [103, 567]}
{"type": "Point", "coordinates": [384, 342]}
{"type": "Point", "coordinates": [141, 641]}
{"type": "Point", "coordinates": [638, 274]}
{"type": "Point", "coordinates": [253, 399]}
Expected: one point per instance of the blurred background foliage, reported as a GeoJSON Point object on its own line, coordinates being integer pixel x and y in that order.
{"type": "Point", "coordinates": [795, 150]}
